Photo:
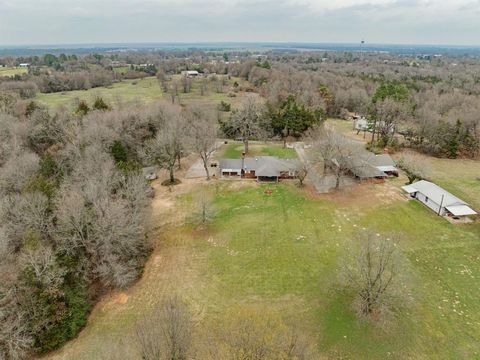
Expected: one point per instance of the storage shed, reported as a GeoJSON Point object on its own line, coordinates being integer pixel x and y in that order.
{"type": "Point", "coordinates": [438, 199]}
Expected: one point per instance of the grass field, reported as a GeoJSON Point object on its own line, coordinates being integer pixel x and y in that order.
{"type": "Point", "coordinates": [146, 90]}
{"type": "Point", "coordinates": [283, 251]}
{"type": "Point", "coordinates": [12, 71]}
{"type": "Point", "coordinates": [234, 150]}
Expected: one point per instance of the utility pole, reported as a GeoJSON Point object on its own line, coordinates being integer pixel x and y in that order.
{"type": "Point", "coordinates": [441, 204]}
{"type": "Point", "coordinates": [361, 49]}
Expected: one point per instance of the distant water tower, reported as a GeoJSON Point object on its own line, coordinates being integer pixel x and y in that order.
{"type": "Point", "coordinates": [361, 49]}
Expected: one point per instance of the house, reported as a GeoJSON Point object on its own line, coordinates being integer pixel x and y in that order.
{"type": "Point", "coordinates": [384, 163]}
{"type": "Point", "coordinates": [360, 167]}
{"type": "Point", "coordinates": [438, 199]}
{"type": "Point", "coordinates": [368, 166]}
{"type": "Point", "coordinates": [190, 73]}
{"type": "Point", "coordinates": [150, 172]}
{"type": "Point", "coordinates": [24, 64]}
{"type": "Point", "coordinates": [360, 123]}
{"type": "Point", "coordinates": [261, 168]}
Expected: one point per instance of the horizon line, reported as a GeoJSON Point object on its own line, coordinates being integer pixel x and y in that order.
{"type": "Point", "coordinates": [109, 44]}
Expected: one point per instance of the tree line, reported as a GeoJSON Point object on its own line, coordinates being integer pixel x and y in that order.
{"type": "Point", "coordinates": [73, 208]}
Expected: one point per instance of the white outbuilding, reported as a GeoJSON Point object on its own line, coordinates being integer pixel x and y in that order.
{"type": "Point", "coordinates": [438, 199]}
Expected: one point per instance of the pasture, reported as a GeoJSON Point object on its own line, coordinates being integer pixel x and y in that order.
{"type": "Point", "coordinates": [283, 250]}
{"type": "Point", "coordinates": [146, 90]}
{"type": "Point", "coordinates": [10, 71]}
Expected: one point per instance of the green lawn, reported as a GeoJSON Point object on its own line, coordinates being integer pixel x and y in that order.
{"type": "Point", "coordinates": [146, 89]}
{"type": "Point", "coordinates": [234, 150]}
{"type": "Point", "coordinates": [12, 71]}
{"type": "Point", "coordinates": [283, 251]}
{"type": "Point", "coordinates": [459, 176]}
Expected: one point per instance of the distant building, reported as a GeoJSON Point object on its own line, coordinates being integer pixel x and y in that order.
{"type": "Point", "coordinates": [24, 64]}
{"type": "Point", "coordinates": [360, 123]}
{"type": "Point", "coordinates": [190, 73]}
{"type": "Point", "coordinates": [438, 199]}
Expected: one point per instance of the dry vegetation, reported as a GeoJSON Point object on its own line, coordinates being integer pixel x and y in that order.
{"type": "Point", "coordinates": [259, 263]}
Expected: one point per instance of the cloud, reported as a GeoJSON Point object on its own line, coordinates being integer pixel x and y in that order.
{"type": "Point", "coordinates": [100, 21]}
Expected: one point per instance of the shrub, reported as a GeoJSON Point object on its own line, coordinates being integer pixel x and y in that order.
{"type": "Point", "coordinates": [100, 104]}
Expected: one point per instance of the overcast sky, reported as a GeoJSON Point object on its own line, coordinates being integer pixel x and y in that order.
{"type": "Point", "coordinates": [455, 22]}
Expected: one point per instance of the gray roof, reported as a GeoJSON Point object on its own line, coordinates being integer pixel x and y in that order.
{"type": "Point", "coordinates": [381, 160]}
{"type": "Point", "coordinates": [435, 193]}
{"type": "Point", "coordinates": [360, 165]}
{"type": "Point", "coordinates": [368, 165]}
{"type": "Point", "coordinates": [230, 164]}
{"type": "Point", "coordinates": [263, 165]}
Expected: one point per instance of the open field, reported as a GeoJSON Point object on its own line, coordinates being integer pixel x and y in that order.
{"type": "Point", "coordinates": [9, 71]}
{"type": "Point", "coordinates": [146, 89]}
{"type": "Point", "coordinates": [283, 251]}
{"type": "Point", "coordinates": [234, 150]}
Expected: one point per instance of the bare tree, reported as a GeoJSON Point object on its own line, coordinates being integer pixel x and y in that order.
{"type": "Point", "coordinates": [16, 172]}
{"type": "Point", "coordinates": [322, 139]}
{"type": "Point", "coordinates": [173, 91]}
{"type": "Point", "coordinates": [416, 167]}
{"type": "Point", "coordinates": [389, 113]}
{"type": "Point", "coordinates": [247, 122]}
{"type": "Point", "coordinates": [15, 336]}
{"type": "Point", "coordinates": [186, 84]}
{"type": "Point", "coordinates": [202, 131]}
{"type": "Point", "coordinates": [253, 333]}
{"type": "Point", "coordinates": [24, 215]}
{"type": "Point", "coordinates": [100, 219]}
{"type": "Point", "coordinates": [167, 333]}
{"type": "Point", "coordinates": [341, 153]}
{"type": "Point", "coordinates": [167, 146]}
{"type": "Point", "coordinates": [302, 173]}
{"type": "Point", "coordinates": [373, 273]}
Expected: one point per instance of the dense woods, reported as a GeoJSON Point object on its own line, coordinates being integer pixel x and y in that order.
{"type": "Point", "coordinates": [73, 207]}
